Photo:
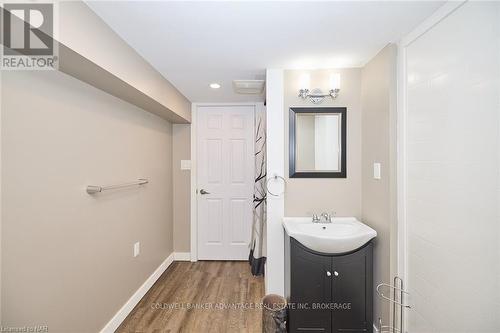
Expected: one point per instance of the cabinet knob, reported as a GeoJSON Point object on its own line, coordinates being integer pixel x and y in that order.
{"type": "Point", "coordinates": [335, 273]}
{"type": "Point", "coordinates": [328, 273]}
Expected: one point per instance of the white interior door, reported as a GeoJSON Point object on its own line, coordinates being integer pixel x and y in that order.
{"type": "Point", "coordinates": [225, 172]}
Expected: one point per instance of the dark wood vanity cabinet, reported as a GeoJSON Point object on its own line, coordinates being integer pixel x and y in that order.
{"type": "Point", "coordinates": [328, 293]}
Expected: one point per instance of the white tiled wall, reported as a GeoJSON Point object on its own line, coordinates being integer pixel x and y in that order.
{"type": "Point", "coordinates": [453, 174]}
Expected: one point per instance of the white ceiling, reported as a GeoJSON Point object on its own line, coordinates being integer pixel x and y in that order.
{"type": "Point", "coordinates": [195, 43]}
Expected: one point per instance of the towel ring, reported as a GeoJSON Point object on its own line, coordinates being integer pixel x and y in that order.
{"type": "Point", "coordinates": [275, 177]}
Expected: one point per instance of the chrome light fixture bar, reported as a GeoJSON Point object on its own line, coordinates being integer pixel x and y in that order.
{"type": "Point", "coordinates": [317, 96]}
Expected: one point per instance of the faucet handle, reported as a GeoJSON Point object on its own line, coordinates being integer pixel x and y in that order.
{"type": "Point", "coordinates": [315, 217]}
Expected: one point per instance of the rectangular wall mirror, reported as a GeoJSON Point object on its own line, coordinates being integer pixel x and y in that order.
{"type": "Point", "coordinates": [317, 142]}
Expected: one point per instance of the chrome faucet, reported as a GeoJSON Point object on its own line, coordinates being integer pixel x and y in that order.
{"type": "Point", "coordinates": [328, 217]}
{"type": "Point", "coordinates": [323, 218]}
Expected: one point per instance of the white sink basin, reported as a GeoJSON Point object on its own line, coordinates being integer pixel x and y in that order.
{"type": "Point", "coordinates": [344, 234]}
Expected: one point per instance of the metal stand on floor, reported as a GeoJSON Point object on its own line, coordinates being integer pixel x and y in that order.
{"type": "Point", "coordinates": [397, 293]}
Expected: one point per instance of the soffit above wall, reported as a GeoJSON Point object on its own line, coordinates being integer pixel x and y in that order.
{"type": "Point", "coordinates": [92, 52]}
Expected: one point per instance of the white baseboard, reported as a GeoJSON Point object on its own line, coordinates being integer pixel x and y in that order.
{"type": "Point", "coordinates": [120, 316]}
{"type": "Point", "coordinates": [182, 256]}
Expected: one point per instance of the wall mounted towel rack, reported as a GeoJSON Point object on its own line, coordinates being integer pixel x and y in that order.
{"type": "Point", "coordinates": [93, 189]}
{"type": "Point", "coordinates": [275, 178]}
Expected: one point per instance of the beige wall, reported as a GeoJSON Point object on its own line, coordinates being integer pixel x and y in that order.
{"type": "Point", "coordinates": [67, 256]}
{"type": "Point", "coordinates": [307, 195]}
{"type": "Point", "coordinates": [182, 187]}
{"type": "Point", "coordinates": [378, 201]}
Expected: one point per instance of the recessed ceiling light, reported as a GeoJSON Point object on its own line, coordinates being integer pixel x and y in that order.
{"type": "Point", "coordinates": [214, 85]}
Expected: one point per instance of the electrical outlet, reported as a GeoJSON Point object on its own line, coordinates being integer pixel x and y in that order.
{"type": "Point", "coordinates": [377, 171]}
{"type": "Point", "coordinates": [137, 249]}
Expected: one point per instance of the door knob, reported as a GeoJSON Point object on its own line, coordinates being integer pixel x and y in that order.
{"type": "Point", "coordinates": [202, 192]}
{"type": "Point", "coordinates": [328, 273]}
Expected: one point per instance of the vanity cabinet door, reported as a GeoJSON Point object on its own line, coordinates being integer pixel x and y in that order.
{"type": "Point", "coordinates": [311, 284]}
{"type": "Point", "coordinates": [352, 291]}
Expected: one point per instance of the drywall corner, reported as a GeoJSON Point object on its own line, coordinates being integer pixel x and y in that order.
{"type": "Point", "coordinates": [275, 280]}
{"type": "Point", "coordinates": [378, 200]}
{"type": "Point", "coordinates": [181, 151]}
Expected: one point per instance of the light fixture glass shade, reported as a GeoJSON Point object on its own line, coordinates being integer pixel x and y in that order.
{"type": "Point", "coordinates": [304, 81]}
{"type": "Point", "coordinates": [335, 81]}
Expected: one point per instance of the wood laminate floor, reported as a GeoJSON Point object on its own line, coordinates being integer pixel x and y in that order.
{"type": "Point", "coordinates": [224, 292]}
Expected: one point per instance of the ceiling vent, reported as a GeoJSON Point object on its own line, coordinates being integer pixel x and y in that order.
{"type": "Point", "coordinates": [249, 87]}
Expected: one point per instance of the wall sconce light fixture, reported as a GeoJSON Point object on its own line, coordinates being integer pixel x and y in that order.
{"type": "Point", "coordinates": [316, 95]}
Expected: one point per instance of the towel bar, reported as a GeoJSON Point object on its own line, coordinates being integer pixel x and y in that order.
{"type": "Point", "coordinates": [93, 189]}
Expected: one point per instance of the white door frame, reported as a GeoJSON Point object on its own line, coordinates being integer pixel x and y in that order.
{"type": "Point", "coordinates": [194, 170]}
{"type": "Point", "coordinates": [402, 110]}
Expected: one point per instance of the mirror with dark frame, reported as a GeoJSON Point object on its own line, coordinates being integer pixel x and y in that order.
{"type": "Point", "coordinates": [317, 144]}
